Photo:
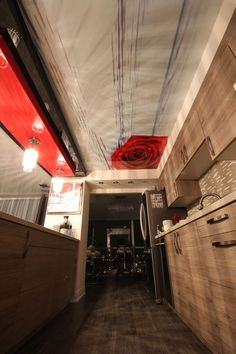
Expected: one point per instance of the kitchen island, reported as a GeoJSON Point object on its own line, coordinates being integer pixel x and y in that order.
{"type": "Point", "coordinates": [37, 277]}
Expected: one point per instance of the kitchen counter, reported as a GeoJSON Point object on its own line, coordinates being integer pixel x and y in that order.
{"type": "Point", "coordinates": [230, 198]}
{"type": "Point", "coordinates": [38, 267]}
{"type": "Point", "coordinates": [31, 225]}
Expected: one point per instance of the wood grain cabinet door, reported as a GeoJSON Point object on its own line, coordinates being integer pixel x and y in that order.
{"type": "Point", "coordinates": [13, 239]}
{"type": "Point", "coordinates": [219, 261]}
{"type": "Point", "coordinates": [35, 299]}
{"type": "Point", "coordinates": [64, 279]}
{"type": "Point", "coordinates": [192, 299]}
{"type": "Point", "coordinates": [175, 263]}
{"type": "Point", "coordinates": [188, 141]}
{"type": "Point", "coordinates": [217, 103]}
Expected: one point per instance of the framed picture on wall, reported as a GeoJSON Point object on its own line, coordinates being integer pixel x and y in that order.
{"type": "Point", "coordinates": [69, 200]}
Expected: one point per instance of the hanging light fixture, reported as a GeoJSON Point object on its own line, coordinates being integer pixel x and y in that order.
{"type": "Point", "coordinates": [15, 37]}
{"type": "Point", "coordinates": [30, 156]}
{"type": "Point", "coordinates": [60, 160]}
{"type": "Point", "coordinates": [57, 183]}
{"type": "Point", "coordinates": [38, 125]}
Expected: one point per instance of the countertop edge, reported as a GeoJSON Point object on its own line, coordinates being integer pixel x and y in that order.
{"type": "Point", "coordinates": [19, 221]}
{"type": "Point", "coordinates": [228, 199]}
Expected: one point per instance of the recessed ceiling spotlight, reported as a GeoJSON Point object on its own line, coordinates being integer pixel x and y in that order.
{"type": "Point", "coordinates": [130, 182]}
{"type": "Point", "coordinates": [100, 182]}
{"type": "Point", "coordinates": [115, 182]}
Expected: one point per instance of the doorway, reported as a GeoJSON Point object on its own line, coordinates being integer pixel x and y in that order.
{"type": "Point", "coordinates": [114, 220]}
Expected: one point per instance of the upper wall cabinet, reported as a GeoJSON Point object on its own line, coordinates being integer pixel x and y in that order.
{"type": "Point", "coordinates": [178, 193]}
{"type": "Point", "coordinates": [216, 100]}
{"type": "Point", "coordinates": [190, 154]}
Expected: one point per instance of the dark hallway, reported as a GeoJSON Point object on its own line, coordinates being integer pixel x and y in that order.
{"type": "Point", "coordinates": [115, 318]}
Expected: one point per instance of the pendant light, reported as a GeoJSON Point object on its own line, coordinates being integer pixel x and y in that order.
{"type": "Point", "coordinates": [38, 125]}
{"type": "Point", "coordinates": [57, 183]}
{"type": "Point", "coordinates": [30, 156]}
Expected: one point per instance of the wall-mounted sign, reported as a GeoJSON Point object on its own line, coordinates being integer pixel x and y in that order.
{"type": "Point", "coordinates": [68, 201]}
{"type": "Point", "coordinates": [157, 200]}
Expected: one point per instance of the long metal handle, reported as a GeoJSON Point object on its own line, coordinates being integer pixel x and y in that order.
{"type": "Point", "coordinates": [222, 244]}
{"type": "Point", "coordinates": [218, 218]}
{"type": "Point", "coordinates": [210, 146]}
{"type": "Point", "coordinates": [143, 222]}
{"type": "Point", "coordinates": [160, 244]}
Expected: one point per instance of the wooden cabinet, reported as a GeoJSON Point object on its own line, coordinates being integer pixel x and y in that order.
{"type": "Point", "coordinates": [216, 100]}
{"type": "Point", "coordinates": [12, 247]}
{"type": "Point", "coordinates": [188, 286]}
{"type": "Point", "coordinates": [178, 192]}
{"type": "Point", "coordinates": [202, 264]}
{"type": "Point", "coordinates": [209, 131]}
{"type": "Point", "coordinates": [189, 141]}
{"type": "Point", "coordinates": [217, 232]}
{"type": "Point", "coordinates": [218, 222]}
{"type": "Point", "coordinates": [37, 270]}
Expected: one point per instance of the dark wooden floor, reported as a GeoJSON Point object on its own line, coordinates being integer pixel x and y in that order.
{"type": "Point", "coordinates": [115, 318]}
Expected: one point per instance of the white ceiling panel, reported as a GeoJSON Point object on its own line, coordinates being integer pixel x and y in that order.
{"type": "Point", "coordinates": [120, 68]}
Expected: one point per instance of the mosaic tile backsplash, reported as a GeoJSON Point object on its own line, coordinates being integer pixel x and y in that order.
{"type": "Point", "coordinates": [220, 179]}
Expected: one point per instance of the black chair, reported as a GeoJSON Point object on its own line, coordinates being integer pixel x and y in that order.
{"type": "Point", "coordinates": [123, 260]}
{"type": "Point", "coordinates": [93, 268]}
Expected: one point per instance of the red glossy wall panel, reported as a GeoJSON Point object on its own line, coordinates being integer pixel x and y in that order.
{"type": "Point", "coordinates": [18, 110]}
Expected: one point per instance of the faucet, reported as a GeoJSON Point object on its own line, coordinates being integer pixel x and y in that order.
{"type": "Point", "coordinates": [200, 206]}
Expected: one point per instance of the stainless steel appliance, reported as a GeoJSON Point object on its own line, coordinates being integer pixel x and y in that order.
{"type": "Point", "coordinates": [153, 210]}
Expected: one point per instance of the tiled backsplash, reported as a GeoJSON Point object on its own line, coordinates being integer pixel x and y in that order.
{"type": "Point", "coordinates": [220, 179]}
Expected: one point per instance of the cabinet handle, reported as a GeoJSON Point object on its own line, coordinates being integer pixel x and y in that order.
{"type": "Point", "coordinates": [185, 152]}
{"type": "Point", "coordinates": [210, 146]}
{"type": "Point", "coordinates": [182, 156]}
{"type": "Point", "coordinates": [229, 243]}
{"type": "Point", "coordinates": [218, 218]}
{"type": "Point", "coordinates": [26, 245]}
{"type": "Point", "coordinates": [175, 189]}
{"type": "Point", "coordinates": [176, 249]}
{"type": "Point", "coordinates": [178, 242]}
{"type": "Point", "coordinates": [160, 244]}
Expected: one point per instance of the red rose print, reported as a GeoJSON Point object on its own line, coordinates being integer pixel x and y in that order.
{"type": "Point", "coordinates": [139, 152]}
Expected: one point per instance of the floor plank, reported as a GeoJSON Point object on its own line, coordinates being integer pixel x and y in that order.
{"type": "Point", "coordinates": [117, 317]}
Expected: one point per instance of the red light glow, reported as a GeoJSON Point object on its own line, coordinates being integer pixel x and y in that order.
{"type": "Point", "coordinates": [18, 109]}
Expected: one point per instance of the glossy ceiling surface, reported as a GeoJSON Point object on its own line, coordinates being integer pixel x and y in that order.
{"type": "Point", "coordinates": [19, 110]}
{"type": "Point", "coordinates": [119, 68]}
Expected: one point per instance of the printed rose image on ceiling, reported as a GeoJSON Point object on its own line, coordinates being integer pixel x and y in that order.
{"type": "Point", "coordinates": [139, 152]}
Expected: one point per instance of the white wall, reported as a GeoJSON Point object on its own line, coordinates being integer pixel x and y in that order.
{"type": "Point", "coordinates": [56, 219]}
{"type": "Point", "coordinates": [81, 264]}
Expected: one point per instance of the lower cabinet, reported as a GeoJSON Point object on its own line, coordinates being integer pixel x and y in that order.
{"type": "Point", "coordinates": [203, 277]}
{"type": "Point", "coordinates": [12, 246]}
{"type": "Point", "coordinates": [37, 273]}
{"type": "Point", "coordinates": [188, 285]}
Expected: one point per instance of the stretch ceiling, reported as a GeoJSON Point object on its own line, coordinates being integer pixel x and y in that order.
{"type": "Point", "coordinates": [119, 68]}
